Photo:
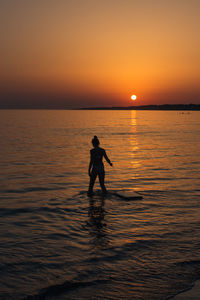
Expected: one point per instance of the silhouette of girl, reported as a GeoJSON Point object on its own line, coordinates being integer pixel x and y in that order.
{"type": "Point", "coordinates": [96, 164]}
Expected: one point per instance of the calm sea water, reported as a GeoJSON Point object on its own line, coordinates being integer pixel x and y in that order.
{"type": "Point", "coordinates": [56, 243]}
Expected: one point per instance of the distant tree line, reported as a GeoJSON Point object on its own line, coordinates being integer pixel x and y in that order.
{"type": "Point", "coordinates": [149, 107]}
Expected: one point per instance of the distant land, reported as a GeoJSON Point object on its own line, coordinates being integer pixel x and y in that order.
{"type": "Point", "coordinates": [149, 107]}
{"type": "Point", "coordinates": [55, 106]}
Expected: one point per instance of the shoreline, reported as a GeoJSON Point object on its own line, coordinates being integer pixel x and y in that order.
{"type": "Point", "coordinates": [158, 107]}
{"type": "Point", "coordinates": [165, 107]}
{"type": "Point", "coordinates": [192, 293]}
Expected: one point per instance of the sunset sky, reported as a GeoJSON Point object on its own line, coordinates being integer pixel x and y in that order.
{"type": "Point", "coordinates": [77, 53]}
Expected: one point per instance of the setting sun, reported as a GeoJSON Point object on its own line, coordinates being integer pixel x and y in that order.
{"type": "Point", "coordinates": [133, 97]}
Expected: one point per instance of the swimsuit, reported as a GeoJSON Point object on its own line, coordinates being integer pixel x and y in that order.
{"type": "Point", "coordinates": [98, 169]}
{"type": "Point", "coordinates": [97, 157]}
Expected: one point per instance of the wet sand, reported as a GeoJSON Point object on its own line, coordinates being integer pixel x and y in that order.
{"type": "Point", "coordinates": [193, 294]}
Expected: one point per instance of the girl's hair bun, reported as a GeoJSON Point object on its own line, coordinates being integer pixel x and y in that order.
{"type": "Point", "coordinates": [95, 141]}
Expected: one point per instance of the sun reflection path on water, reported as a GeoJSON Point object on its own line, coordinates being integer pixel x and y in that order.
{"type": "Point", "coordinates": [135, 162]}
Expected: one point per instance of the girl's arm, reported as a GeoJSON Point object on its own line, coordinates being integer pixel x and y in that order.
{"type": "Point", "coordinates": [106, 158]}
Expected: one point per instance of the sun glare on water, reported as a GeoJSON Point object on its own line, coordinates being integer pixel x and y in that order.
{"type": "Point", "coordinates": [133, 97]}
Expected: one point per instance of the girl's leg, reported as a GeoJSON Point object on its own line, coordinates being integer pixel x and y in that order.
{"type": "Point", "coordinates": [92, 181]}
{"type": "Point", "coordinates": [101, 181]}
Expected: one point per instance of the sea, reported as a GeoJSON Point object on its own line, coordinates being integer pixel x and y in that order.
{"type": "Point", "coordinates": [56, 243]}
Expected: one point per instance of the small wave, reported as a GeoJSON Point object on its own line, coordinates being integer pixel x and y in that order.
{"type": "Point", "coordinates": [15, 211]}
{"type": "Point", "coordinates": [55, 290]}
{"type": "Point", "coordinates": [188, 263]}
{"type": "Point", "coordinates": [121, 252]}
{"type": "Point", "coordinates": [180, 292]}
{"type": "Point", "coordinates": [32, 189]}
{"type": "Point", "coordinates": [25, 210]}
{"type": "Point", "coordinates": [124, 133]}
{"type": "Point", "coordinates": [160, 169]}
{"type": "Point", "coordinates": [193, 162]}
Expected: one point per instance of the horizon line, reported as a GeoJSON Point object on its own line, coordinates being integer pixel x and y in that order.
{"type": "Point", "coordinates": [190, 106]}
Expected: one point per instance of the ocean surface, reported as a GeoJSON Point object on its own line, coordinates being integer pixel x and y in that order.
{"type": "Point", "coordinates": [57, 243]}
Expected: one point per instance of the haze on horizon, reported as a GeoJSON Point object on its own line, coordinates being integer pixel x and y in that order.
{"type": "Point", "coordinates": [76, 53]}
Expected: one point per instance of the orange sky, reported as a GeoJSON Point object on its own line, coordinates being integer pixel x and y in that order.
{"type": "Point", "coordinates": [84, 52]}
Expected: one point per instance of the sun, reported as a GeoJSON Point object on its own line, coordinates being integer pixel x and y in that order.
{"type": "Point", "coordinates": [133, 97]}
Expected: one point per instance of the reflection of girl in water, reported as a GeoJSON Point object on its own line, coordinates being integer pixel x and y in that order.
{"type": "Point", "coordinates": [96, 164]}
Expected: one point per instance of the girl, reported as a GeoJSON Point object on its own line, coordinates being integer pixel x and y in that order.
{"type": "Point", "coordinates": [96, 164]}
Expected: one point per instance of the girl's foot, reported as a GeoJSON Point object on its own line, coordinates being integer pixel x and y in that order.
{"type": "Point", "coordinates": [90, 193]}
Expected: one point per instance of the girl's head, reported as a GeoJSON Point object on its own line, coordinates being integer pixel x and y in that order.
{"type": "Point", "coordinates": [95, 141]}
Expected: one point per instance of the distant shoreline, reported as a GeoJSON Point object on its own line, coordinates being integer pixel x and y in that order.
{"type": "Point", "coordinates": [179, 107]}
{"type": "Point", "coordinates": [149, 107]}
